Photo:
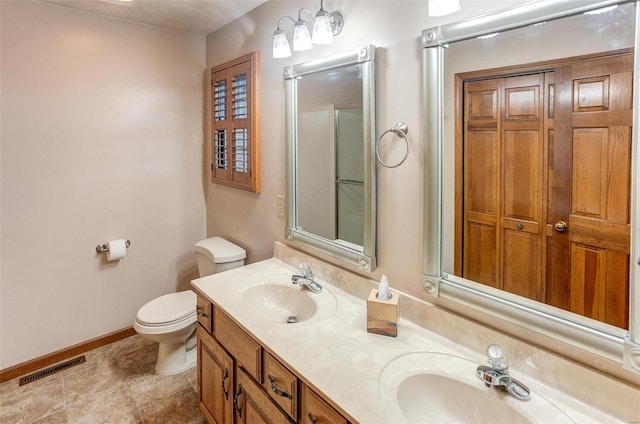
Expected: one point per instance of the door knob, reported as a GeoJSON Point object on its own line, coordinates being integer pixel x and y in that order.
{"type": "Point", "coordinates": [560, 226]}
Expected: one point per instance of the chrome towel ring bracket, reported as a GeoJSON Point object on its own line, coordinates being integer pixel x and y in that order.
{"type": "Point", "coordinates": [401, 130]}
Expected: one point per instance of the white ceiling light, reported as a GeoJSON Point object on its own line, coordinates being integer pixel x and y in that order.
{"type": "Point", "coordinates": [443, 7]}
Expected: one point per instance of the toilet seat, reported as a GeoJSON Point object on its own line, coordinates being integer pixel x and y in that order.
{"type": "Point", "coordinates": [169, 309]}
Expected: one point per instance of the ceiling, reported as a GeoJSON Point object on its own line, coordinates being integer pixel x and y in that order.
{"type": "Point", "coordinates": [197, 16]}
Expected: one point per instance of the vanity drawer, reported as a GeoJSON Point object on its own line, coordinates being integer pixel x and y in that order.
{"type": "Point", "coordinates": [246, 351]}
{"type": "Point", "coordinates": [315, 410]}
{"type": "Point", "coordinates": [253, 406]}
{"type": "Point", "coordinates": [203, 307]}
{"type": "Point", "coordinates": [281, 384]}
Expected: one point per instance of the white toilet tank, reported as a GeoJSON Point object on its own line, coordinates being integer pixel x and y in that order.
{"type": "Point", "coordinates": [216, 254]}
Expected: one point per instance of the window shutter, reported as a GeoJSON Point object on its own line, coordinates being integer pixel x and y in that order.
{"type": "Point", "coordinates": [235, 145]}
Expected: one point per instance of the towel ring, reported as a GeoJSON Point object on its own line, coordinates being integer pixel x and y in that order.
{"type": "Point", "coordinates": [401, 130]}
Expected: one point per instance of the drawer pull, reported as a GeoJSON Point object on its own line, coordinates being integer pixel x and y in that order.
{"type": "Point", "coordinates": [237, 401]}
{"type": "Point", "coordinates": [200, 313]}
{"type": "Point", "coordinates": [224, 383]}
{"type": "Point", "coordinates": [277, 391]}
{"type": "Point", "coordinates": [312, 419]}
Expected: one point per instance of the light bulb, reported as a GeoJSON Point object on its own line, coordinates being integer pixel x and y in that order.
{"type": "Point", "coordinates": [301, 36]}
{"type": "Point", "coordinates": [322, 33]}
{"type": "Point", "coordinates": [281, 47]}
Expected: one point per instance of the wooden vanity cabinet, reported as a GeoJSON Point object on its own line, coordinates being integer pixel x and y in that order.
{"type": "Point", "coordinates": [240, 381]}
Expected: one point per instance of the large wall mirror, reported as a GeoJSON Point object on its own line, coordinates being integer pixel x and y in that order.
{"type": "Point", "coordinates": [530, 170]}
{"type": "Point", "coordinates": [331, 184]}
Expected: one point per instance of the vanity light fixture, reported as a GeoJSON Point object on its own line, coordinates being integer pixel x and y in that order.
{"type": "Point", "coordinates": [443, 7]}
{"type": "Point", "coordinates": [325, 26]}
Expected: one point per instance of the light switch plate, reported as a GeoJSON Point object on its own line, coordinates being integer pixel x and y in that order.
{"type": "Point", "coordinates": [280, 202]}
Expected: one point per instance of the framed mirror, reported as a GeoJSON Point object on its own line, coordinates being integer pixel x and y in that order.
{"type": "Point", "coordinates": [330, 131]}
{"type": "Point", "coordinates": [530, 173]}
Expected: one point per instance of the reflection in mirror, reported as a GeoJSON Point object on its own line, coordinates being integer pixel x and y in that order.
{"type": "Point", "coordinates": [331, 180]}
{"type": "Point", "coordinates": [536, 166]}
{"type": "Point", "coordinates": [543, 178]}
{"type": "Point", "coordinates": [331, 154]}
{"type": "Point", "coordinates": [349, 176]}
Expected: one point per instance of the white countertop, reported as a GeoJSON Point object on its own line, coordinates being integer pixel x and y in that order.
{"type": "Point", "coordinates": [338, 357]}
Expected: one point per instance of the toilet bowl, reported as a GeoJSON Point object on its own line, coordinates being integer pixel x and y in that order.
{"type": "Point", "coordinates": [170, 320]}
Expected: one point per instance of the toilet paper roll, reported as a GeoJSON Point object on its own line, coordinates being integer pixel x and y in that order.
{"type": "Point", "coordinates": [117, 250]}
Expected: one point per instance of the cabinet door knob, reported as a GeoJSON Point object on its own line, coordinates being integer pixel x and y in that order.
{"type": "Point", "coordinates": [200, 313]}
{"type": "Point", "coordinates": [312, 419]}
{"type": "Point", "coordinates": [560, 226]}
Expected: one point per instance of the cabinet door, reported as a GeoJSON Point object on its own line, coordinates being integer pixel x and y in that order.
{"type": "Point", "coordinates": [253, 405]}
{"type": "Point", "coordinates": [315, 410]}
{"type": "Point", "coordinates": [215, 380]}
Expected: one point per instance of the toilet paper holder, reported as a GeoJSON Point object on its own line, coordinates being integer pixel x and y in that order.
{"type": "Point", "coordinates": [103, 248]}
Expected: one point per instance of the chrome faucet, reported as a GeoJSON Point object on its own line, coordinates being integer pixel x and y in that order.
{"type": "Point", "coordinates": [306, 278]}
{"type": "Point", "coordinates": [497, 375]}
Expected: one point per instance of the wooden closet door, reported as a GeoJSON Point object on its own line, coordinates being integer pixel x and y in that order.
{"type": "Point", "coordinates": [522, 185]}
{"type": "Point", "coordinates": [504, 183]}
{"type": "Point", "coordinates": [589, 216]}
{"type": "Point", "coordinates": [481, 158]}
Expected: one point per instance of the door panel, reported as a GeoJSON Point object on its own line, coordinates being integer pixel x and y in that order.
{"type": "Point", "coordinates": [520, 265]}
{"type": "Point", "coordinates": [616, 298]}
{"type": "Point", "coordinates": [589, 182]}
{"type": "Point", "coordinates": [599, 140]}
{"type": "Point", "coordinates": [587, 272]}
{"type": "Point", "coordinates": [480, 254]}
{"type": "Point", "coordinates": [522, 187]}
{"type": "Point", "coordinates": [481, 171]}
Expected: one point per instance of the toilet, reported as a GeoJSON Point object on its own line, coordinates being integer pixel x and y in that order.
{"type": "Point", "coordinates": [171, 319]}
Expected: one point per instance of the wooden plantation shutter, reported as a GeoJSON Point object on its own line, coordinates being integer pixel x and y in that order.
{"type": "Point", "coordinates": [235, 123]}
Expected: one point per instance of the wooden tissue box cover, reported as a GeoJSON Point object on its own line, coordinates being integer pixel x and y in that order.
{"type": "Point", "coordinates": [382, 315]}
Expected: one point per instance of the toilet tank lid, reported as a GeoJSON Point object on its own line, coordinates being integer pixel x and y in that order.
{"type": "Point", "coordinates": [220, 250]}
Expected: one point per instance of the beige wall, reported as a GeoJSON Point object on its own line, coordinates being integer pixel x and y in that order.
{"type": "Point", "coordinates": [101, 139]}
{"type": "Point", "coordinates": [395, 28]}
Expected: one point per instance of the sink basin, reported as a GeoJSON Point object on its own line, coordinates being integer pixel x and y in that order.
{"type": "Point", "coordinates": [432, 387]}
{"type": "Point", "coordinates": [280, 303]}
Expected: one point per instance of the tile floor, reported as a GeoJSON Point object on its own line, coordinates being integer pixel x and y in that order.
{"type": "Point", "coordinates": [117, 384]}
